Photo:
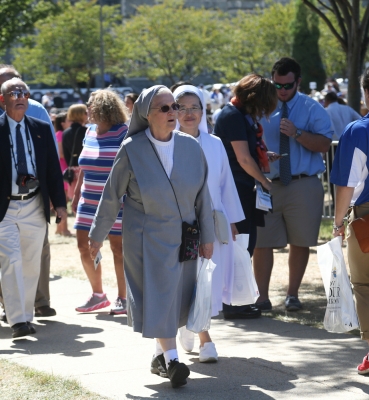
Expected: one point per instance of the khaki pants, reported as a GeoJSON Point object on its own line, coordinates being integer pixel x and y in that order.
{"type": "Point", "coordinates": [359, 270]}
{"type": "Point", "coordinates": [22, 232]}
{"type": "Point", "coordinates": [43, 290]}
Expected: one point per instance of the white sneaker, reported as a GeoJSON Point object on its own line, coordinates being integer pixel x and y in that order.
{"type": "Point", "coordinates": [186, 338]}
{"type": "Point", "coordinates": [208, 353]}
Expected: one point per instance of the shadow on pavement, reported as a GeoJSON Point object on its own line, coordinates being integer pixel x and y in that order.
{"type": "Point", "coordinates": [54, 338]}
{"type": "Point", "coordinates": [232, 377]}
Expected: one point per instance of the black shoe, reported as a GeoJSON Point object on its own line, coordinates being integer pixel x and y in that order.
{"type": "Point", "coordinates": [20, 329]}
{"type": "Point", "coordinates": [292, 303]}
{"type": "Point", "coordinates": [177, 373]}
{"type": "Point", "coordinates": [3, 317]}
{"type": "Point", "coordinates": [264, 305]}
{"type": "Point", "coordinates": [31, 327]}
{"type": "Point", "coordinates": [158, 366]}
{"type": "Point", "coordinates": [247, 312]}
{"type": "Point", "coordinates": [44, 311]}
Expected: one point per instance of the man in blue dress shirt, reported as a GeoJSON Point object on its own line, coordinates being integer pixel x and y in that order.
{"type": "Point", "coordinates": [299, 130]}
{"type": "Point", "coordinates": [36, 110]}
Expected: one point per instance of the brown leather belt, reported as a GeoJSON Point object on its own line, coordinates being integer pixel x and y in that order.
{"type": "Point", "coordinates": [295, 177]}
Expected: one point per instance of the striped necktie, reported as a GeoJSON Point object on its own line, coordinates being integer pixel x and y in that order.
{"type": "Point", "coordinates": [284, 148]}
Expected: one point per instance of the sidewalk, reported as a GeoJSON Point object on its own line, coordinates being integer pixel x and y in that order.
{"type": "Point", "coordinates": [258, 359]}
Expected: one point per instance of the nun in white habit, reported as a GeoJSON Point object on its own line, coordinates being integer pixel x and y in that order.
{"type": "Point", "coordinates": [224, 197]}
{"type": "Point", "coordinates": [161, 170]}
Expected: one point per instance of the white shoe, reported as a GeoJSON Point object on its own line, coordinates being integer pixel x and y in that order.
{"type": "Point", "coordinates": [208, 353]}
{"type": "Point", "coordinates": [186, 338]}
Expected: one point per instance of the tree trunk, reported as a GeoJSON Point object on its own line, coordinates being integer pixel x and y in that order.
{"type": "Point", "coordinates": [354, 69]}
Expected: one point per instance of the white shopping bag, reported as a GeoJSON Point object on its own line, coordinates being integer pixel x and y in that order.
{"type": "Point", "coordinates": [340, 315]}
{"type": "Point", "coordinates": [245, 289]}
{"type": "Point", "coordinates": [200, 311]}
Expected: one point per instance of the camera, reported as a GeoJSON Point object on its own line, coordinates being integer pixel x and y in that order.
{"type": "Point", "coordinates": [28, 181]}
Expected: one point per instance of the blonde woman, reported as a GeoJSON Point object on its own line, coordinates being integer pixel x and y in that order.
{"type": "Point", "coordinates": [72, 140]}
{"type": "Point", "coordinates": [107, 111]}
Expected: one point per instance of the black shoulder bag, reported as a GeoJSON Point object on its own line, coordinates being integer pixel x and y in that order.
{"type": "Point", "coordinates": [68, 174]}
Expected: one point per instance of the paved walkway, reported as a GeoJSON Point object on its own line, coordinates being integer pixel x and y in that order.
{"type": "Point", "coordinates": [259, 359]}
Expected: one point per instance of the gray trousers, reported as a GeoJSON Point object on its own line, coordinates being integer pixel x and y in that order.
{"type": "Point", "coordinates": [43, 292]}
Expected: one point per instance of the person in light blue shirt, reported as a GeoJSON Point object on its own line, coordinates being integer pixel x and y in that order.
{"type": "Point", "coordinates": [42, 301]}
{"type": "Point", "coordinates": [299, 130]}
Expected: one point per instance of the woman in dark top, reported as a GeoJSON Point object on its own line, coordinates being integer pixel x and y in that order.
{"type": "Point", "coordinates": [241, 134]}
{"type": "Point", "coordinates": [72, 140]}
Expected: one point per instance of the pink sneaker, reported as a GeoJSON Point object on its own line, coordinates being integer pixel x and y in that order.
{"type": "Point", "coordinates": [363, 368]}
{"type": "Point", "coordinates": [94, 303]}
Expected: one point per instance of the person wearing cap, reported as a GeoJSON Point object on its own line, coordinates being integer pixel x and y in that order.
{"type": "Point", "coordinates": [164, 173]}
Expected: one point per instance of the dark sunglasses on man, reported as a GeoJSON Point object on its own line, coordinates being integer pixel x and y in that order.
{"type": "Point", "coordinates": [19, 94]}
{"type": "Point", "coordinates": [286, 86]}
{"type": "Point", "coordinates": [165, 109]}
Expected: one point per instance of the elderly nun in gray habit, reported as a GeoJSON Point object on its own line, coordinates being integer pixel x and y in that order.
{"type": "Point", "coordinates": [153, 157]}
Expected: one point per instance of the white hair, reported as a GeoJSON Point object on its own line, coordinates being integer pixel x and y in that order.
{"type": "Point", "coordinates": [5, 86]}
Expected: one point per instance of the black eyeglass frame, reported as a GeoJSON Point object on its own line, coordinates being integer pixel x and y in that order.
{"type": "Point", "coordinates": [285, 86]}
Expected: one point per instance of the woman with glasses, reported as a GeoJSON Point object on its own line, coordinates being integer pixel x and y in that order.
{"type": "Point", "coordinates": [238, 128]}
{"type": "Point", "coordinates": [107, 112]}
{"type": "Point", "coordinates": [224, 198]}
{"type": "Point", "coordinates": [164, 174]}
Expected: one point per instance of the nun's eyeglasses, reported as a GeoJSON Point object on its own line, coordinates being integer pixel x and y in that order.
{"type": "Point", "coordinates": [165, 109]}
{"type": "Point", "coordinates": [192, 110]}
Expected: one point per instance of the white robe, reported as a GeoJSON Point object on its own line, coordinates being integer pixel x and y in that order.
{"type": "Point", "coordinates": [225, 198]}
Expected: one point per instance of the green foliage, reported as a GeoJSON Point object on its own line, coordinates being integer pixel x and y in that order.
{"type": "Point", "coordinates": [168, 40]}
{"type": "Point", "coordinates": [305, 46]}
{"type": "Point", "coordinates": [19, 16]}
{"type": "Point", "coordinates": [257, 40]}
{"type": "Point", "coordinates": [66, 49]}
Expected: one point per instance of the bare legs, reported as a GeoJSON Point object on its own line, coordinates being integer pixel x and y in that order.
{"type": "Point", "coordinates": [263, 265]}
{"type": "Point", "coordinates": [94, 276]}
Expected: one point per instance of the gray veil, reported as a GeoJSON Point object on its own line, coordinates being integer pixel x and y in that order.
{"type": "Point", "coordinates": [141, 109]}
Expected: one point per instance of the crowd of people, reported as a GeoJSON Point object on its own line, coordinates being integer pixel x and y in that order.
{"type": "Point", "coordinates": [137, 171]}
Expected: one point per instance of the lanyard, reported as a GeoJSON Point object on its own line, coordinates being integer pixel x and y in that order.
{"type": "Point", "coordinates": [28, 145]}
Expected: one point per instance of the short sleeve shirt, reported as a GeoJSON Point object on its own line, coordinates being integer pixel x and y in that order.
{"type": "Point", "coordinates": [231, 126]}
{"type": "Point", "coordinates": [307, 115]}
{"type": "Point", "coordinates": [351, 165]}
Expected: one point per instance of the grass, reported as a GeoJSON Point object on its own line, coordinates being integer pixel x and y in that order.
{"type": "Point", "coordinates": [325, 231]}
{"type": "Point", "coordinates": [23, 383]}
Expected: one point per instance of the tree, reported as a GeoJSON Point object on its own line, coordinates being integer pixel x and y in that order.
{"type": "Point", "coordinates": [66, 49]}
{"type": "Point", "coordinates": [257, 40]}
{"type": "Point", "coordinates": [305, 46]}
{"type": "Point", "coordinates": [168, 40]}
{"type": "Point", "coordinates": [352, 32]}
{"type": "Point", "coordinates": [18, 17]}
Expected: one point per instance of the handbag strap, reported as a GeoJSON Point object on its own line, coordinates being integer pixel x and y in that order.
{"type": "Point", "coordinates": [73, 147]}
{"type": "Point", "coordinates": [166, 176]}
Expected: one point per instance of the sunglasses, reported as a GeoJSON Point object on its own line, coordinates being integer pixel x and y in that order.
{"type": "Point", "coordinates": [165, 109]}
{"type": "Point", "coordinates": [19, 94]}
{"type": "Point", "coordinates": [286, 86]}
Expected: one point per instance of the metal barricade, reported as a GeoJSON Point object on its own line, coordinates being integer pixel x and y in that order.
{"type": "Point", "coordinates": [329, 194]}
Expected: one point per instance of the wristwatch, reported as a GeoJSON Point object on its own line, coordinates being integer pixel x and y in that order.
{"type": "Point", "coordinates": [298, 133]}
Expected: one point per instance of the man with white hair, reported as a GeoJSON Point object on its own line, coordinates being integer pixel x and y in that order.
{"type": "Point", "coordinates": [36, 110]}
{"type": "Point", "coordinates": [31, 176]}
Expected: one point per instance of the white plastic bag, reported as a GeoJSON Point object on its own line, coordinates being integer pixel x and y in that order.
{"type": "Point", "coordinates": [245, 290]}
{"type": "Point", "coordinates": [340, 315]}
{"type": "Point", "coordinates": [200, 311]}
